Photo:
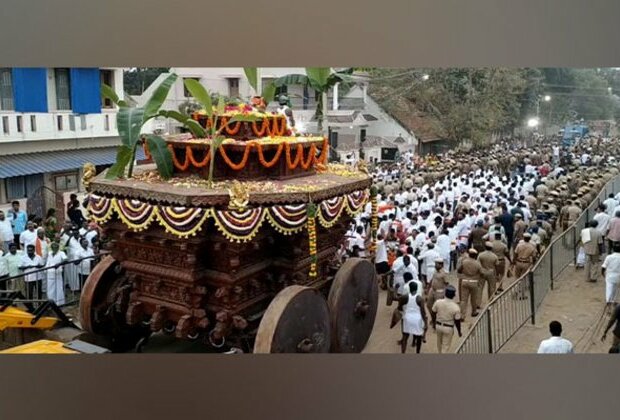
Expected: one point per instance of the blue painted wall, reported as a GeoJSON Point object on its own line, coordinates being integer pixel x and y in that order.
{"type": "Point", "coordinates": [30, 89]}
{"type": "Point", "coordinates": [85, 90]}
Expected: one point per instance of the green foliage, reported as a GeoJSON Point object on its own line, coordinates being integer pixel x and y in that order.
{"type": "Point", "coordinates": [470, 104]}
{"type": "Point", "coordinates": [252, 75]}
{"type": "Point", "coordinates": [137, 79]}
{"type": "Point", "coordinates": [200, 94]}
{"type": "Point", "coordinates": [161, 155]}
{"type": "Point", "coordinates": [321, 79]}
{"type": "Point", "coordinates": [130, 121]}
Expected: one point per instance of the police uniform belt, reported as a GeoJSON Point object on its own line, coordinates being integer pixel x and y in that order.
{"type": "Point", "coordinates": [445, 325]}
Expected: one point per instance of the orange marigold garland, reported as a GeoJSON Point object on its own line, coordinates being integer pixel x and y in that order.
{"type": "Point", "coordinates": [179, 166]}
{"type": "Point", "coordinates": [311, 157]}
{"type": "Point", "coordinates": [311, 224]}
{"type": "Point", "coordinates": [202, 163]}
{"type": "Point", "coordinates": [276, 157]}
{"type": "Point", "coordinates": [240, 165]}
{"type": "Point", "coordinates": [264, 127]}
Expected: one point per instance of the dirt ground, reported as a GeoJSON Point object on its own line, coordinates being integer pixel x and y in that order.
{"type": "Point", "coordinates": [578, 305]}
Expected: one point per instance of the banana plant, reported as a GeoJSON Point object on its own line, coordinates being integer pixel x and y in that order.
{"type": "Point", "coordinates": [321, 79]}
{"type": "Point", "coordinates": [268, 92]}
{"type": "Point", "coordinates": [130, 121]}
{"type": "Point", "coordinates": [203, 97]}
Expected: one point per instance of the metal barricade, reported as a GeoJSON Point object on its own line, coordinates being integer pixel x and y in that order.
{"type": "Point", "coordinates": [33, 283]}
{"type": "Point", "coordinates": [509, 311]}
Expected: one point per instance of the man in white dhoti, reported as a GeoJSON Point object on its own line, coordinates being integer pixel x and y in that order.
{"type": "Point", "coordinates": [55, 285]}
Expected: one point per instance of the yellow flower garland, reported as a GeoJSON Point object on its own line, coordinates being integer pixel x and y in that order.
{"type": "Point", "coordinates": [133, 226]}
{"type": "Point", "coordinates": [170, 229]}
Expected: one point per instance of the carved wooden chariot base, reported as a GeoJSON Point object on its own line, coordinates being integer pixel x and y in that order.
{"type": "Point", "coordinates": [248, 265]}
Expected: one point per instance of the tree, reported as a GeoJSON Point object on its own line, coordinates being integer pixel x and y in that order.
{"type": "Point", "coordinates": [137, 79]}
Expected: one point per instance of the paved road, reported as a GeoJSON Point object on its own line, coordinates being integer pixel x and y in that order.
{"type": "Point", "coordinates": [384, 340]}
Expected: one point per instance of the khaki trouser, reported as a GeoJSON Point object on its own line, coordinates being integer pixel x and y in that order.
{"type": "Point", "coordinates": [521, 268]}
{"type": "Point", "coordinates": [469, 290]}
{"type": "Point", "coordinates": [591, 269]}
{"type": "Point", "coordinates": [444, 338]}
{"type": "Point", "coordinates": [488, 278]}
{"type": "Point", "coordinates": [500, 272]}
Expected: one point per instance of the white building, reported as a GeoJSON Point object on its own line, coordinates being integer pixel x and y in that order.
{"type": "Point", "coordinates": [351, 116]}
{"type": "Point", "coordinates": [52, 121]}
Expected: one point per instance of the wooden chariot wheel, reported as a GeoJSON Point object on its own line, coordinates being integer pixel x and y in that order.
{"type": "Point", "coordinates": [296, 321]}
{"type": "Point", "coordinates": [353, 300]}
{"type": "Point", "coordinates": [103, 303]}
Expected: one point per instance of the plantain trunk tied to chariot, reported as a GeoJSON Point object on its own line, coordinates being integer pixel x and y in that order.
{"type": "Point", "coordinates": [227, 236]}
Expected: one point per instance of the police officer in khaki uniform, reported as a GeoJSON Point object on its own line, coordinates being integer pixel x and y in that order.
{"type": "Point", "coordinates": [438, 286]}
{"type": "Point", "coordinates": [525, 256]}
{"type": "Point", "coordinates": [573, 212]}
{"type": "Point", "coordinates": [519, 228]}
{"type": "Point", "coordinates": [503, 253]}
{"type": "Point", "coordinates": [489, 262]}
{"type": "Point", "coordinates": [469, 272]}
{"type": "Point", "coordinates": [446, 315]}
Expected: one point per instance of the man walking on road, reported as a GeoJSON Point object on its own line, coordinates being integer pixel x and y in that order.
{"type": "Point", "coordinates": [592, 241]}
{"type": "Point", "coordinates": [446, 316]}
{"type": "Point", "coordinates": [469, 274]}
{"type": "Point", "coordinates": [489, 262]}
{"type": "Point", "coordinates": [611, 272]}
{"type": "Point", "coordinates": [556, 344]}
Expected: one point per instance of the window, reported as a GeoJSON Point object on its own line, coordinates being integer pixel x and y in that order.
{"type": "Point", "coordinates": [59, 122]}
{"type": "Point", "coordinates": [63, 89]}
{"type": "Point", "coordinates": [83, 122]}
{"type": "Point", "coordinates": [20, 127]}
{"type": "Point", "coordinates": [5, 125]}
{"type": "Point", "coordinates": [106, 123]}
{"type": "Point", "coordinates": [66, 182]}
{"type": "Point", "coordinates": [72, 122]}
{"type": "Point", "coordinates": [185, 91]}
{"type": "Point", "coordinates": [22, 186]}
{"type": "Point", "coordinates": [233, 88]}
{"type": "Point", "coordinates": [15, 188]}
{"type": "Point", "coordinates": [107, 77]}
{"type": "Point", "coordinates": [6, 89]}
{"type": "Point", "coordinates": [33, 123]}
{"type": "Point", "coordinates": [362, 135]}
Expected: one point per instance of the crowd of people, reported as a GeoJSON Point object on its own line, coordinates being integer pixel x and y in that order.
{"type": "Point", "coordinates": [41, 258]}
{"type": "Point", "coordinates": [485, 216]}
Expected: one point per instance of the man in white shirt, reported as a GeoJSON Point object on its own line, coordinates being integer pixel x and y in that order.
{"type": "Point", "coordinates": [610, 204]}
{"type": "Point", "coordinates": [401, 266]}
{"type": "Point", "coordinates": [555, 344]}
{"type": "Point", "coordinates": [31, 262]}
{"type": "Point", "coordinates": [28, 237]}
{"type": "Point", "coordinates": [611, 272]}
{"type": "Point", "coordinates": [6, 233]}
{"type": "Point", "coordinates": [602, 219]}
{"type": "Point", "coordinates": [381, 259]}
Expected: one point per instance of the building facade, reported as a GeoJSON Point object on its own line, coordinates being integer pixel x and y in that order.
{"type": "Point", "coordinates": [52, 121]}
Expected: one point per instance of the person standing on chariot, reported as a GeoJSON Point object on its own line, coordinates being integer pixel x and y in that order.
{"type": "Point", "coordinates": [284, 109]}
